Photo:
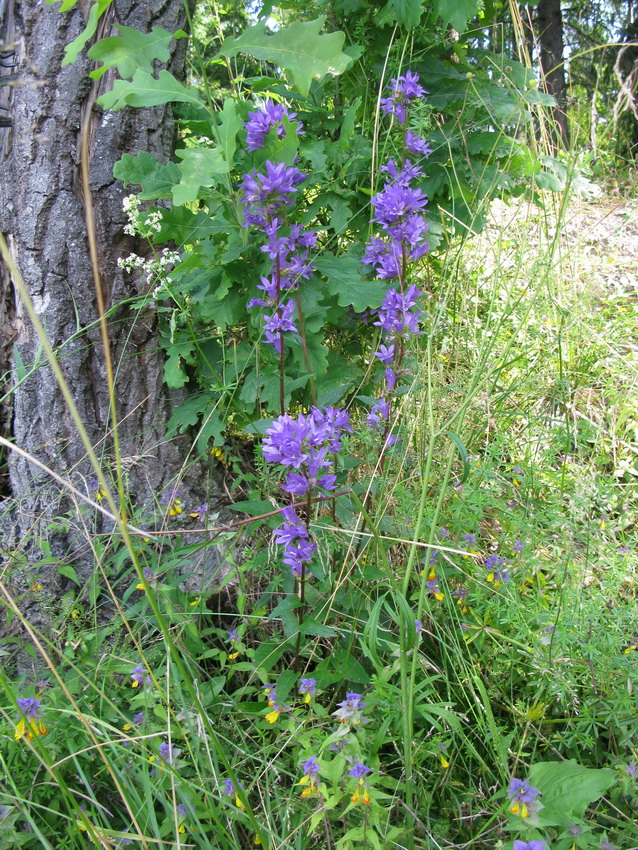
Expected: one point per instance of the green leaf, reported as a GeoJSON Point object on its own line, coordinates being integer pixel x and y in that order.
{"type": "Point", "coordinates": [345, 281]}
{"type": "Point", "coordinates": [287, 604]}
{"type": "Point", "coordinates": [407, 13]}
{"type": "Point", "coordinates": [145, 90]}
{"type": "Point", "coordinates": [253, 507]}
{"type": "Point", "coordinates": [66, 5]}
{"type": "Point", "coordinates": [131, 50]}
{"type": "Point", "coordinates": [178, 353]}
{"type": "Point", "coordinates": [279, 149]}
{"type": "Point", "coordinates": [347, 125]}
{"type": "Point", "coordinates": [183, 226]}
{"type": "Point", "coordinates": [567, 789]}
{"type": "Point", "coordinates": [267, 654]}
{"type": "Point", "coordinates": [285, 683]}
{"type": "Point", "coordinates": [456, 12]}
{"type": "Point", "coordinates": [18, 362]}
{"type": "Point", "coordinates": [156, 180]}
{"type": "Point", "coordinates": [212, 428]}
{"type": "Point", "coordinates": [299, 48]}
{"type": "Point", "coordinates": [229, 125]}
{"type": "Point", "coordinates": [69, 572]}
{"type": "Point", "coordinates": [309, 626]}
{"type": "Point", "coordinates": [72, 50]}
{"type": "Point", "coordinates": [199, 167]}
{"type": "Point", "coordinates": [545, 180]}
{"type": "Point", "coordinates": [462, 452]}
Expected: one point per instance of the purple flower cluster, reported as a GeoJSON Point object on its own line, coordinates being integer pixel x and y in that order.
{"type": "Point", "coordinates": [349, 711]}
{"type": "Point", "coordinates": [265, 194]}
{"type": "Point", "coordinates": [266, 199]}
{"type": "Point", "coordinates": [496, 571]}
{"type": "Point", "coordinates": [304, 447]}
{"type": "Point", "coordinates": [304, 444]}
{"type": "Point", "coordinates": [288, 248]}
{"type": "Point", "coordinates": [398, 212]}
{"type": "Point", "coordinates": [260, 123]}
{"type": "Point", "coordinates": [522, 797]}
{"type": "Point", "coordinates": [403, 90]}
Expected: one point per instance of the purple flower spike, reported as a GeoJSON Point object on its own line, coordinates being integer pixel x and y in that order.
{"type": "Point", "coordinates": [379, 414]}
{"type": "Point", "coordinates": [538, 844]}
{"type": "Point", "coordinates": [416, 144]}
{"type": "Point", "coordinates": [403, 90]}
{"type": "Point", "coordinates": [261, 122]}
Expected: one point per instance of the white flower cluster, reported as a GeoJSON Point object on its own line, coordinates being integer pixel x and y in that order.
{"type": "Point", "coordinates": [151, 224]}
{"type": "Point", "coordinates": [155, 266]}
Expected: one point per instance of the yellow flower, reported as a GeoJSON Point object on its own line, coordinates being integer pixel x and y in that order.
{"type": "Point", "coordinates": [257, 840]}
{"type": "Point", "coordinates": [273, 716]}
{"type": "Point", "coordinates": [175, 507]}
{"type": "Point", "coordinates": [195, 601]}
{"type": "Point", "coordinates": [30, 726]}
{"type": "Point", "coordinates": [30, 730]}
{"type": "Point", "coordinates": [444, 762]}
{"type": "Point", "coordinates": [519, 809]}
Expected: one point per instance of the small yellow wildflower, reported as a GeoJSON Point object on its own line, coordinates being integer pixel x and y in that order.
{"type": "Point", "coordinates": [30, 725]}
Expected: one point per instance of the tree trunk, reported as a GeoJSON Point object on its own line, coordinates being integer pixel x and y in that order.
{"type": "Point", "coordinates": [550, 33]}
{"type": "Point", "coordinates": [42, 216]}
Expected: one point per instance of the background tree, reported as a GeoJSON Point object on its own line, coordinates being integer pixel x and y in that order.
{"type": "Point", "coordinates": [42, 215]}
{"type": "Point", "coordinates": [550, 37]}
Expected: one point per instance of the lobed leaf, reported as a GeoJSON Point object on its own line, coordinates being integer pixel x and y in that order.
{"type": "Point", "coordinates": [299, 49]}
{"type": "Point", "coordinates": [145, 90]}
{"type": "Point", "coordinates": [132, 50]}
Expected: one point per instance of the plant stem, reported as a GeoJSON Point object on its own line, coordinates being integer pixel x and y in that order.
{"type": "Point", "coordinates": [304, 346]}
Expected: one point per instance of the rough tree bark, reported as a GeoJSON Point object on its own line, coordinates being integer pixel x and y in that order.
{"type": "Point", "coordinates": [550, 34]}
{"type": "Point", "coordinates": [42, 217]}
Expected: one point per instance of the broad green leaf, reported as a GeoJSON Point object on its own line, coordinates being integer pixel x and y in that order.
{"type": "Point", "coordinates": [229, 125]}
{"type": "Point", "coordinates": [456, 12]}
{"type": "Point", "coordinates": [567, 789]}
{"type": "Point", "coordinates": [156, 180]}
{"type": "Point", "coordinates": [345, 281]}
{"type": "Point", "coordinates": [285, 683]}
{"type": "Point", "coordinates": [187, 414]}
{"type": "Point", "coordinates": [545, 180]}
{"type": "Point", "coordinates": [407, 13]}
{"type": "Point", "coordinates": [212, 428]}
{"type": "Point", "coordinates": [253, 508]}
{"type": "Point", "coordinates": [145, 90]}
{"type": "Point", "coordinates": [299, 48]}
{"type": "Point", "coordinates": [72, 50]}
{"type": "Point", "coordinates": [199, 167]}
{"type": "Point", "coordinates": [131, 50]}
{"type": "Point", "coordinates": [183, 226]}
{"type": "Point", "coordinates": [317, 353]}
{"type": "Point", "coordinates": [178, 354]}
{"type": "Point", "coordinates": [267, 654]}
